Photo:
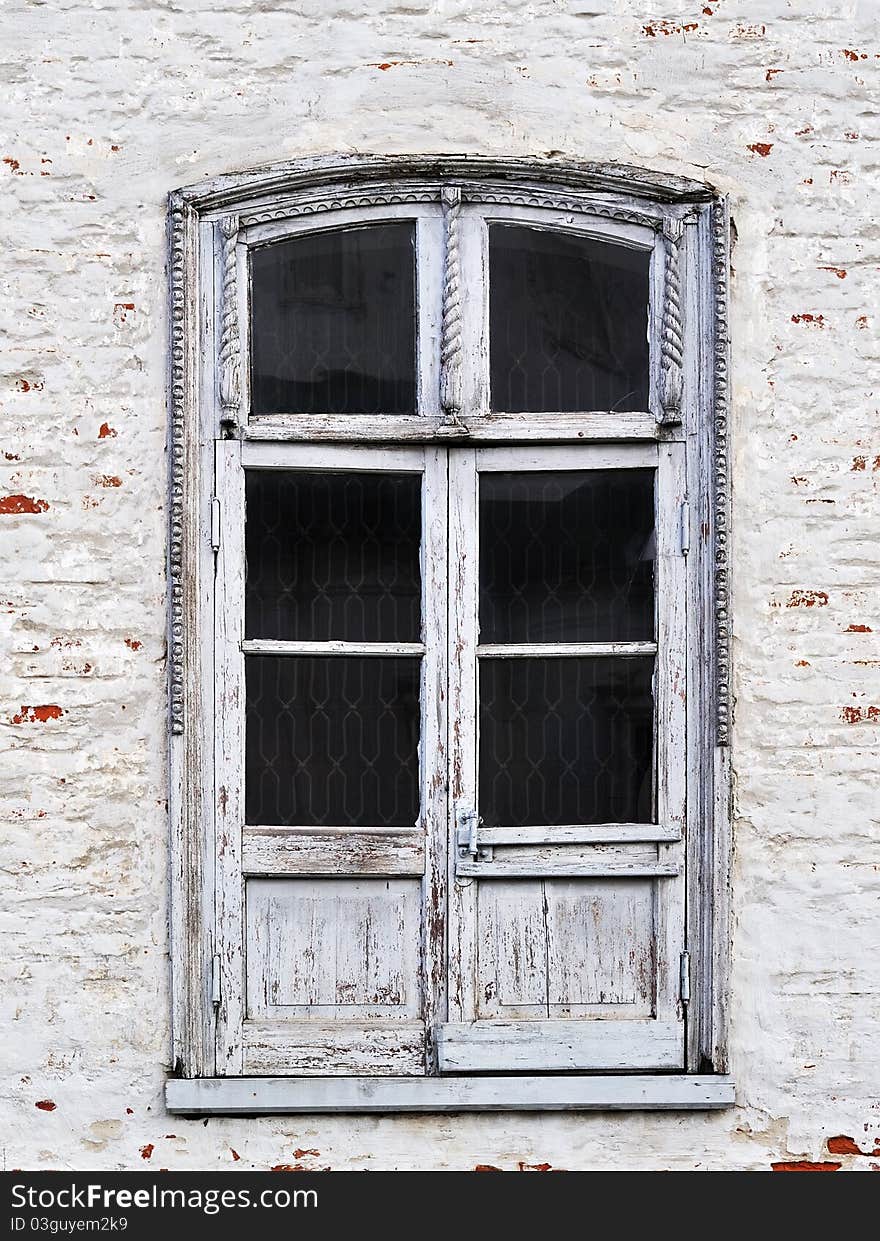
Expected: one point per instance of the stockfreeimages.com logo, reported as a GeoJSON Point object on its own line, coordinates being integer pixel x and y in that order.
{"type": "Point", "coordinates": [97, 1197]}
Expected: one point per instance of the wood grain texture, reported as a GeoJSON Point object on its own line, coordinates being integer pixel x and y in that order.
{"type": "Point", "coordinates": [310, 851]}
{"type": "Point", "coordinates": [337, 1047]}
{"type": "Point", "coordinates": [499, 1093]}
{"type": "Point", "coordinates": [559, 1046]}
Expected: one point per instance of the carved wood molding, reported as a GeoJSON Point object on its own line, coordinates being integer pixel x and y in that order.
{"type": "Point", "coordinates": [181, 329]}
{"type": "Point", "coordinates": [671, 349]}
{"type": "Point", "coordinates": [721, 471]}
{"type": "Point", "coordinates": [229, 353]}
{"type": "Point", "coordinates": [368, 196]}
{"type": "Point", "coordinates": [450, 334]}
{"type": "Point", "coordinates": [532, 196]}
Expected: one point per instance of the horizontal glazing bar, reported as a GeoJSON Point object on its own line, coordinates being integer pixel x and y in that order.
{"type": "Point", "coordinates": [562, 649]}
{"type": "Point", "coordinates": [271, 646]}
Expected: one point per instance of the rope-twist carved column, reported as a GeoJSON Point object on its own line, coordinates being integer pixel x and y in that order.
{"type": "Point", "coordinates": [671, 332]}
{"type": "Point", "coordinates": [721, 475]}
{"type": "Point", "coordinates": [451, 330]}
{"type": "Point", "coordinates": [230, 376]}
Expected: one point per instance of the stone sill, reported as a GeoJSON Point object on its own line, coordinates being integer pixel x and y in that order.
{"type": "Point", "coordinates": [255, 1096]}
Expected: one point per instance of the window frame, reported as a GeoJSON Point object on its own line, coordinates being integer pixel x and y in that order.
{"type": "Point", "coordinates": [210, 228]}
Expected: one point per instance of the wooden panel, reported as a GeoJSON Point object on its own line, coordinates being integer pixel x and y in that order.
{"type": "Point", "coordinates": [332, 851]}
{"type": "Point", "coordinates": [567, 650]}
{"type": "Point", "coordinates": [506, 1046]}
{"type": "Point", "coordinates": [569, 457]}
{"type": "Point", "coordinates": [556, 948]}
{"type": "Point", "coordinates": [588, 833]}
{"type": "Point", "coordinates": [279, 1096]}
{"type": "Point", "coordinates": [333, 949]}
{"type": "Point", "coordinates": [550, 862]}
{"type": "Point", "coordinates": [334, 1047]}
{"type": "Point", "coordinates": [481, 428]}
{"type": "Point", "coordinates": [275, 646]}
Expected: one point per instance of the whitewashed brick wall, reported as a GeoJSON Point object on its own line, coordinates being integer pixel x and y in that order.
{"type": "Point", "coordinates": [103, 110]}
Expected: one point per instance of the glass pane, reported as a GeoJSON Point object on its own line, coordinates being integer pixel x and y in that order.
{"type": "Point", "coordinates": [568, 322]}
{"type": "Point", "coordinates": [566, 741]}
{"type": "Point", "coordinates": [567, 557]}
{"type": "Point", "coordinates": [332, 741]}
{"type": "Point", "coordinates": [333, 556]}
{"type": "Point", "coordinates": [333, 323]}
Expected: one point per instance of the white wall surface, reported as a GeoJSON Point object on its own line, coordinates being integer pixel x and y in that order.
{"type": "Point", "coordinates": [104, 108]}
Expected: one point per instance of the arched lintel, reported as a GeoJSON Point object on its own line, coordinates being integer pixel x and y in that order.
{"type": "Point", "coordinates": [238, 191]}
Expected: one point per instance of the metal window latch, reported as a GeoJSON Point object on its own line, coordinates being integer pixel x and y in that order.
{"type": "Point", "coordinates": [684, 529]}
{"type": "Point", "coordinates": [215, 978]}
{"type": "Point", "coordinates": [215, 524]}
{"type": "Point", "coordinates": [468, 824]}
{"type": "Point", "coordinates": [684, 988]}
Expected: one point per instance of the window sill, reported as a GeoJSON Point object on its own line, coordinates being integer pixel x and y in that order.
{"type": "Point", "coordinates": [251, 1096]}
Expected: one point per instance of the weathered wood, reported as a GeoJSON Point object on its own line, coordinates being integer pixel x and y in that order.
{"type": "Point", "coordinates": [334, 1047]}
{"type": "Point", "coordinates": [564, 649]}
{"type": "Point", "coordinates": [560, 1093]}
{"type": "Point", "coordinates": [229, 757]}
{"type": "Point", "coordinates": [333, 949]}
{"type": "Point", "coordinates": [478, 427]}
{"type": "Point", "coordinates": [341, 851]}
{"type": "Point", "coordinates": [273, 646]}
{"type": "Point", "coordinates": [548, 865]}
{"type": "Point", "coordinates": [589, 833]}
{"type": "Point", "coordinates": [557, 1046]}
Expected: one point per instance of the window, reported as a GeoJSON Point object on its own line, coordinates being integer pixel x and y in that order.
{"type": "Point", "coordinates": [448, 639]}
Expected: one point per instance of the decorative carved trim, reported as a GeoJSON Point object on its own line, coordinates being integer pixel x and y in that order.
{"type": "Point", "coordinates": [721, 472]}
{"type": "Point", "coordinates": [450, 334]}
{"type": "Point", "coordinates": [371, 196]}
{"type": "Point", "coordinates": [671, 350]}
{"type": "Point", "coordinates": [181, 216]}
{"type": "Point", "coordinates": [532, 197]}
{"type": "Point", "coordinates": [229, 361]}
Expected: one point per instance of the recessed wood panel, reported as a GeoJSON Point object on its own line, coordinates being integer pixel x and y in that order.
{"type": "Point", "coordinates": [333, 949]}
{"type": "Point", "coordinates": [566, 948]}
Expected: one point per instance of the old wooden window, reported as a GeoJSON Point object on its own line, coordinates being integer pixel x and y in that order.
{"type": "Point", "coordinates": [448, 639]}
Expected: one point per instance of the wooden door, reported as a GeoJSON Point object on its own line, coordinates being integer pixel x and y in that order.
{"type": "Point", "coordinates": [567, 776]}
{"type": "Point", "coordinates": [330, 758]}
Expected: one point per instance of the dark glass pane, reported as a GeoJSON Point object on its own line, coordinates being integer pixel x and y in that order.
{"type": "Point", "coordinates": [566, 741]}
{"type": "Point", "coordinates": [567, 557]}
{"type": "Point", "coordinates": [333, 323]}
{"type": "Point", "coordinates": [332, 741]}
{"type": "Point", "coordinates": [568, 322]}
{"type": "Point", "coordinates": [333, 556]}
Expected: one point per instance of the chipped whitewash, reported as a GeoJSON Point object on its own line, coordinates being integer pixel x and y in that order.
{"type": "Point", "coordinates": [103, 111]}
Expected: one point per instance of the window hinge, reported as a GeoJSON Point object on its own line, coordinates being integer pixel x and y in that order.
{"type": "Point", "coordinates": [685, 528]}
{"type": "Point", "coordinates": [215, 524]}
{"type": "Point", "coordinates": [684, 968]}
{"type": "Point", "coordinates": [215, 978]}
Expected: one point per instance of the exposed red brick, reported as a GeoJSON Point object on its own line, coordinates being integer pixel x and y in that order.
{"type": "Point", "coordinates": [22, 504]}
{"type": "Point", "coordinates": [235, 1154]}
{"type": "Point", "coordinates": [817, 320]}
{"type": "Point", "coordinates": [288, 1167]}
{"type": "Point", "coordinates": [807, 599]}
{"type": "Point", "coordinates": [535, 1167]}
{"type": "Point", "coordinates": [840, 272]}
{"type": "Point", "coordinates": [761, 148]}
{"type": "Point", "coordinates": [299, 1153]}
{"type": "Point", "coordinates": [802, 663]}
{"type": "Point", "coordinates": [860, 715]}
{"type": "Point", "coordinates": [862, 322]}
{"type": "Point", "coordinates": [859, 463]}
{"type": "Point", "coordinates": [805, 1165]}
{"type": "Point", "coordinates": [12, 456]}
{"type": "Point", "coordinates": [485, 1167]}
{"type": "Point", "coordinates": [108, 480]}
{"type": "Point", "coordinates": [844, 1145]}
{"type": "Point", "coordinates": [105, 431]}
{"type": "Point", "coordinates": [771, 74]}
{"type": "Point", "coordinates": [46, 1105]}
{"type": "Point", "coordinates": [146, 1151]}
{"type": "Point", "coordinates": [37, 715]}
{"type": "Point", "coordinates": [133, 644]}
{"type": "Point", "coordinates": [851, 55]}
{"type": "Point", "coordinates": [859, 629]}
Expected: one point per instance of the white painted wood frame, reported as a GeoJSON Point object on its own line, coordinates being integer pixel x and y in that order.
{"type": "Point", "coordinates": [212, 440]}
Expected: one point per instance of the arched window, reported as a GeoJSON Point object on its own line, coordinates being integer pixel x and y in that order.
{"type": "Point", "coordinates": [449, 684]}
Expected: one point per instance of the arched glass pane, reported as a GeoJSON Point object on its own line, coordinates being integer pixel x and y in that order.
{"type": "Point", "coordinates": [333, 323]}
{"type": "Point", "coordinates": [568, 322]}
